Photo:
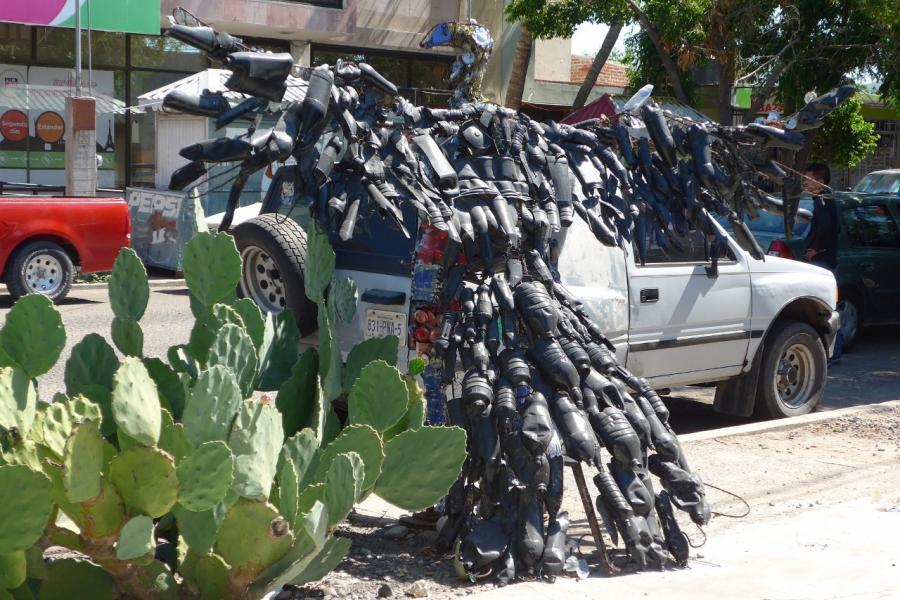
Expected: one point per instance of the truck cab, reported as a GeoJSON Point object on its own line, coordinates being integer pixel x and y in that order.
{"type": "Point", "coordinates": [760, 330]}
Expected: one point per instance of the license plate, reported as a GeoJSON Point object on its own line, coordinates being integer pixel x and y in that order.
{"type": "Point", "coordinates": [382, 323]}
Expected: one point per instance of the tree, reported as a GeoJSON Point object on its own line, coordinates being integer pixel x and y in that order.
{"type": "Point", "coordinates": [521, 59]}
{"type": "Point", "coordinates": [845, 138]}
{"type": "Point", "coordinates": [546, 19]}
{"type": "Point", "coordinates": [590, 79]}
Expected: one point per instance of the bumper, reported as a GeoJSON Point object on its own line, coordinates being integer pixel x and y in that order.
{"type": "Point", "coordinates": [834, 325]}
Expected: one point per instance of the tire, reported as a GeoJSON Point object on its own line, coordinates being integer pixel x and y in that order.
{"type": "Point", "coordinates": [851, 309]}
{"type": "Point", "coordinates": [273, 253]}
{"type": "Point", "coordinates": [40, 267]}
{"type": "Point", "coordinates": [793, 372]}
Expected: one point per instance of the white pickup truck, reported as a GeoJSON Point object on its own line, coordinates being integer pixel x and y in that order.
{"type": "Point", "coordinates": [760, 329]}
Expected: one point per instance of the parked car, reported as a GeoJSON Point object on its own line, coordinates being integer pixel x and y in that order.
{"type": "Point", "coordinates": [879, 182]}
{"type": "Point", "coordinates": [44, 241]}
{"type": "Point", "coordinates": [868, 273]}
{"type": "Point", "coordinates": [761, 330]}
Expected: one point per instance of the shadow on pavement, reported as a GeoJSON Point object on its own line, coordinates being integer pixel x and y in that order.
{"type": "Point", "coordinates": [7, 301]}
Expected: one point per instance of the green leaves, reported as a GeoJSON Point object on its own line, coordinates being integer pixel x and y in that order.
{"type": "Point", "coordinates": [205, 476]}
{"type": "Point", "coordinates": [135, 402]}
{"type": "Point", "coordinates": [146, 480]}
{"type": "Point", "coordinates": [379, 397]}
{"type": "Point", "coordinates": [845, 138]}
{"type": "Point", "coordinates": [26, 496]}
{"type": "Point", "coordinates": [212, 267]}
{"type": "Point", "coordinates": [83, 462]}
{"type": "Point", "coordinates": [255, 440]}
{"type": "Point", "coordinates": [233, 349]}
{"type": "Point", "coordinates": [343, 296]}
{"type": "Point", "coordinates": [343, 484]}
{"type": "Point", "coordinates": [320, 261]}
{"type": "Point", "coordinates": [368, 351]}
{"type": "Point", "coordinates": [18, 400]}
{"type": "Point", "coordinates": [33, 336]}
{"type": "Point", "coordinates": [128, 287]}
{"type": "Point", "coordinates": [214, 402]}
{"type": "Point", "coordinates": [296, 398]}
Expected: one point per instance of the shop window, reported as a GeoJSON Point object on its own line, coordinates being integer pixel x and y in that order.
{"type": "Point", "coordinates": [393, 69]}
{"type": "Point", "coordinates": [56, 46]}
{"type": "Point", "coordinates": [330, 57]}
{"type": "Point", "coordinates": [161, 52]}
{"type": "Point", "coordinates": [430, 74]}
{"type": "Point", "coordinates": [15, 43]}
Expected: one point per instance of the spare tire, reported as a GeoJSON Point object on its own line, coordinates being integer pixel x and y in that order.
{"type": "Point", "coordinates": [273, 254]}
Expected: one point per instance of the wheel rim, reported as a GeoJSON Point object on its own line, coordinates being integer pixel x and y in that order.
{"type": "Point", "coordinates": [261, 280]}
{"type": "Point", "coordinates": [43, 273]}
{"type": "Point", "coordinates": [795, 376]}
{"type": "Point", "coordinates": [849, 320]}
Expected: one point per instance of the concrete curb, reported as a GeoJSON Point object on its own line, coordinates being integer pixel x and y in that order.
{"type": "Point", "coordinates": [153, 283]}
{"type": "Point", "coordinates": [785, 424]}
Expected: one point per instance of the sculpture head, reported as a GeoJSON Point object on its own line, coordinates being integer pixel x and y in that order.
{"type": "Point", "coordinates": [475, 44]}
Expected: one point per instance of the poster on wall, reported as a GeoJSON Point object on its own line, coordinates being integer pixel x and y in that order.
{"type": "Point", "coordinates": [132, 16]}
{"type": "Point", "coordinates": [13, 125]}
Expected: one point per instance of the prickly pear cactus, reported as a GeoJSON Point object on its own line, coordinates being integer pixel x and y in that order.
{"type": "Point", "coordinates": [254, 488]}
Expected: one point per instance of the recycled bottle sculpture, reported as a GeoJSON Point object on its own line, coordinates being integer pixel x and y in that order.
{"type": "Point", "coordinates": [514, 358]}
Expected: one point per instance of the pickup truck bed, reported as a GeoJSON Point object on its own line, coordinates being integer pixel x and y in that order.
{"type": "Point", "coordinates": [44, 240]}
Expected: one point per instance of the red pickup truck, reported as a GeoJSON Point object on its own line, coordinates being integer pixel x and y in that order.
{"type": "Point", "coordinates": [44, 240]}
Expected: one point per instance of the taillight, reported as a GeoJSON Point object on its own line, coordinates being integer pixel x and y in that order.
{"type": "Point", "coordinates": [779, 248]}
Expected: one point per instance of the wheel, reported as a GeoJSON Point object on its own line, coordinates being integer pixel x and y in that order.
{"type": "Point", "coordinates": [41, 267]}
{"type": "Point", "coordinates": [792, 373]}
{"type": "Point", "coordinates": [273, 254]}
{"type": "Point", "coordinates": [851, 309]}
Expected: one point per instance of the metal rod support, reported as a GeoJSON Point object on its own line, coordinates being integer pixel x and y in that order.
{"type": "Point", "coordinates": [77, 48]}
{"type": "Point", "coordinates": [588, 504]}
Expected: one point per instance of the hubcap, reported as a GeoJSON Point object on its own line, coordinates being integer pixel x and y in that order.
{"type": "Point", "coordinates": [795, 376]}
{"type": "Point", "coordinates": [849, 320]}
{"type": "Point", "coordinates": [261, 281]}
{"type": "Point", "coordinates": [43, 274]}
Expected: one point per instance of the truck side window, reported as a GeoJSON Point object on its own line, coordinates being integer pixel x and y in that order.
{"type": "Point", "coordinates": [688, 250]}
{"type": "Point", "coordinates": [872, 226]}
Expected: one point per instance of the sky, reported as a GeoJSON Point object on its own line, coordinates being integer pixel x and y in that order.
{"type": "Point", "coordinates": [589, 37]}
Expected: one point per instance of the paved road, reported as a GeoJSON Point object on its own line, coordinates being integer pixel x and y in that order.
{"type": "Point", "coordinates": [869, 374]}
{"type": "Point", "coordinates": [167, 322]}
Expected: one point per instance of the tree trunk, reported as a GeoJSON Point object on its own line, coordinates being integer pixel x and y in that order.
{"type": "Point", "coordinates": [599, 60]}
{"type": "Point", "coordinates": [762, 94]}
{"type": "Point", "coordinates": [520, 64]}
{"type": "Point", "coordinates": [725, 68]}
{"type": "Point", "coordinates": [666, 60]}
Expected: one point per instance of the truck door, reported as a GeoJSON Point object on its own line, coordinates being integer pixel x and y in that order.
{"type": "Point", "coordinates": [687, 327]}
{"type": "Point", "coordinates": [874, 254]}
{"type": "Point", "coordinates": [596, 274]}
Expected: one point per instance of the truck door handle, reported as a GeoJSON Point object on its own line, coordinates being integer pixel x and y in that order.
{"type": "Point", "coordinates": [867, 267]}
{"type": "Point", "coordinates": [649, 295]}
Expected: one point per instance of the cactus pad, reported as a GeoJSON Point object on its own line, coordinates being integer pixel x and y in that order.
{"type": "Point", "coordinates": [279, 350]}
{"type": "Point", "coordinates": [56, 427]}
{"type": "Point", "coordinates": [135, 402]}
{"type": "Point", "coordinates": [18, 400]}
{"type": "Point", "coordinates": [205, 476]}
{"type": "Point", "coordinates": [286, 498]}
{"type": "Point", "coordinates": [33, 336]}
{"type": "Point", "coordinates": [233, 348]}
{"type": "Point", "coordinates": [12, 569]}
{"type": "Point", "coordinates": [255, 440]}
{"type": "Point", "coordinates": [128, 337]}
{"type": "Point", "coordinates": [366, 352]}
{"type": "Point", "coordinates": [309, 495]}
{"type": "Point", "coordinates": [252, 319]}
{"type": "Point", "coordinates": [136, 539]}
{"type": "Point", "coordinates": [83, 462]}
{"type": "Point", "coordinates": [68, 575]}
{"type": "Point", "coordinates": [128, 287]}
{"type": "Point", "coordinates": [331, 361]}
{"type": "Point", "coordinates": [102, 515]}
{"type": "Point", "coordinates": [92, 362]}
{"type": "Point", "coordinates": [173, 439]}
{"type": "Point", "coordinates": [199, 529]}
{"type": "Point", "coordinates": [379, 397]}
{"type": "Point", "coordinates": [101, 397]}
{"type": "Point", "coordinates": [27, 495]}
{"type": "Point", "coordinates": [289, 566]}
{"type": "Point", "coordinates": [203, 333]}
{"type": "Point", "coordinates": [214, 401]}
{"type": "Point", "coordinates": [168, 385]}
{"type": "Point", "coordinates": [158, 582]}
{"type": "Point", "coordinates": [327, 559]}
{"type": "Point", "coordinates": [320, 261]}
{"type": "Point", "coordinates": [212, 267]}
{"type": "Point", "coordinates": [146, 480]}
{"type": "Point", "coordinates": [343, 296]}
{"type": "Point", "coordinates": [303, 450]}
{"type": "Point", "coordinates": [253, 536]}
{"type": "Point", "coordinates": [364, 441]}
{"type": "Point", "coordinates": [343, 484]}
{"type": "Point", "coordinates": [211, 577]}
{"type": "Point", "coordinates": [296, 398]}
{"type": "Point", "coordinates": [420, 466]}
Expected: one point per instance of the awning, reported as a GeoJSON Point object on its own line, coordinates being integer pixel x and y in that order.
{"type": "Point", "coordinates": [608, 105]}
{"type": "Point", "coordinates": [42, 98]}
{"type": "Point", "coordinates": [213, 80]}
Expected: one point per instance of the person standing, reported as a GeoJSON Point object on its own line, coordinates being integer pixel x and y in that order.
{"type": "Point", "coordinates": [822, 238]}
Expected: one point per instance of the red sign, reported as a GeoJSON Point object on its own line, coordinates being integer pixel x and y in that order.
{"type": "Point", "coordinates": [14, 125]}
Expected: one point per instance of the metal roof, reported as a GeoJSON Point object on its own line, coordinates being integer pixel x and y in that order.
{"type": "Point", "coordinates": [214, 81]}
{"type": "Point", "coordinates": [43, 98]}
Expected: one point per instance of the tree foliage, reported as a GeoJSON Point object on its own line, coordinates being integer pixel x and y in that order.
{"type": "Point", "coordinates": [845, 138]}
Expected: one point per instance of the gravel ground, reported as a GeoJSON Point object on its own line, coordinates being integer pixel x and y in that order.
{"type": "Point", "coordinates": [848, 459]}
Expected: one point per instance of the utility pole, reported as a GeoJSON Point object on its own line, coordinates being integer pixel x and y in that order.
{"type": "Point", "coordinates": [81, 134]}
{"type": "Point", "coordinates": [77, 49]}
